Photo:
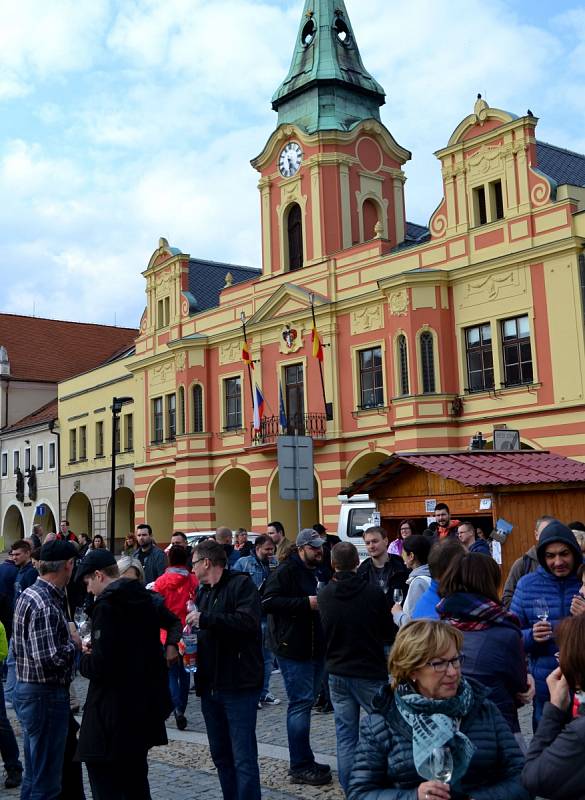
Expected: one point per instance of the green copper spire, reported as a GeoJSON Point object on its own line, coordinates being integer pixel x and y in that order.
{"type": "Point", "coordinates": [327, 87]}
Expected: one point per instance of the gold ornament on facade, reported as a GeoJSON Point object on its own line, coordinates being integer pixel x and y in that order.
{"type": "Point", "coordinates": [365, 319]}
{"type": "Point", "coordinates": [399, 303]}
{"type": "Point", "coordinates": [229, 352]}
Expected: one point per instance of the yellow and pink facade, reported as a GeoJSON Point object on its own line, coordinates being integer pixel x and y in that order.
{"type": "Point", "coordinates": [430, 334]}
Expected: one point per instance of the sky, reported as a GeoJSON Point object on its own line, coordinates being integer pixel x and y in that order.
{"type": "Point", "coordinates": [122, 121]}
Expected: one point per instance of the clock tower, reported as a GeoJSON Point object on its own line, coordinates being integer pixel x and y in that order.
{"type": "Point", "coordinates": [331, 173]}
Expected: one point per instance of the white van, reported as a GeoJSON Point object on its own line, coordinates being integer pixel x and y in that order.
{"type": "Point", "coordinates": [356, 515]}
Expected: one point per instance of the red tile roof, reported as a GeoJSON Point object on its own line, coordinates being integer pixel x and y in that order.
{"type": "Point", "coordinates": [51, 350]}
{"type": "Point", "coordinates": [474, 468]}
{"type": "Point", "coordinates": [44, 414]}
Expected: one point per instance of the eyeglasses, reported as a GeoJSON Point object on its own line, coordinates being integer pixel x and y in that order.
{"type": "Point", "coordinates": [197, 560]}
{"type": "Point", "coordinates": [443, 664]}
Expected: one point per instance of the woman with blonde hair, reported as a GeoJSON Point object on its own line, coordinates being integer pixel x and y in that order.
{"type": "Point", "coordinates": [431, 714]}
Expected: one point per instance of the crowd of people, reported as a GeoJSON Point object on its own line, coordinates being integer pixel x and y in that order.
{"type": "Point", "coordinates": [417, 643]}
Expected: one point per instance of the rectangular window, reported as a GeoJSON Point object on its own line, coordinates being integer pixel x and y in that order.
{"type": "Point", "coordinates": [172, 416]}
{"type": "Point", "coordinates": [516, 351]}
{"type": "Point", "coordinates": [157, 420]}
{"type": "Point", "coordinates": [497, 200]}
{"type": "Point", "coordinates": [371, 378]}
{"type": "Point", "coordinates": [233, 404]}
{"type": "Point", "coordinates": [480, 362]}
{"type": "Point", "coordinates": [52, 455]}
{"type": "Point", "coordinates": [15, 461]}
{"type": "Point", "coordinates": [117, 434]}
{"type": "Point", "coordinates": [4, 470]}
{"type": "Point", "coordinates": [99, 439]}
{"type": "Point", "coordinates": [27, 459]}
{"type": "Point", "coordinates": [73, 445]}
{"type": "Point", "coordinates": [479, 205]}
{"type": "Point", "coordinates": [163, 312]}
{"type": "Point", "coordinates": [83, 443]}
{"type": "Point", "coordinates": [40, 458]}
{"type": "Point", "coordinates": [129, 432]}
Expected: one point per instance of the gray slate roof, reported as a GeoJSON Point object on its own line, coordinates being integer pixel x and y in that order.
{"type": "Point", "coordinates": [563, 166]}
{"type": "Point", "coordinates": [207, 279]}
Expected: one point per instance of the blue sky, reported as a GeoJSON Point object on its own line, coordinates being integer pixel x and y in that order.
{"type": "Point", "coordinates": [123, 121]}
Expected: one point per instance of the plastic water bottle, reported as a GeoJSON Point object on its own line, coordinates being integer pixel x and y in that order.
{"type": "Point", "coordinates": [190, 643]}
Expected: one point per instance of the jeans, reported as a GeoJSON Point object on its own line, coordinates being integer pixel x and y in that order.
{"type": "Point", "coordinates": [179, 682]}
{"type": "Point", "coordinates": [43, 712]}
{"type": "Point", "coordinates": [119, 780]}
{"type": "Point", "coordinates": [348, 696]}
{"type": "Point", "coordinates": [230, 719]}
{"type": "Point", "coordinates": [268, 662]}
{"type": "Point", "coordinates": [8, 745]}
{"type": "Point", "coordinates": [302, 680]}
{"type": "Point", "coordinates": [10, 675]}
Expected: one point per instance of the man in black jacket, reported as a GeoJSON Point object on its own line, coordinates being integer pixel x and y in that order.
{"type": "Point", "coordinates": [381, 569]}
{"type": "Point", "coordinates": [119, 725]}
{"type": "Point", "coordinates": [230, 668]}
{"type": "Point", "coordinates": [296, 637]}
{"type": "Point", "coordinates": [356, 623]}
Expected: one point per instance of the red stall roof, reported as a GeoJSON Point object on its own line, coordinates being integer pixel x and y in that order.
{"type": "Point", "coordinates": [479, 468]}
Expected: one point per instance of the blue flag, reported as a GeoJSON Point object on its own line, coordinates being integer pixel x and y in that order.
{"type": "Point", "coordinates": [281, 408]}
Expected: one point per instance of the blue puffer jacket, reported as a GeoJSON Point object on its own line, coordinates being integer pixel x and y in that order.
{"type": "Point", "coordinates": [558, 593]}
{"type": "Point", "coordinates": [384, 765]}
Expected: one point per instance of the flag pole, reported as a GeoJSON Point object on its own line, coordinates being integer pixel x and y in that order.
{"type": "Point", "coordinates": [243, 321]}
{"type": "Point", "coordinates": [312, 299]}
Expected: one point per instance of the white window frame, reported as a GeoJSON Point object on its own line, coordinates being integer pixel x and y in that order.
{"type": "Point", "coordinates": [40, 449]}
{"type": "Point", "coordinates": [14, 465]}
{"type": "Point", "coordinates": [3, 458]}
{"type": "Point", "coordinates": [27, 458]}
{"type": "Point", "coordinates": [53, 449]}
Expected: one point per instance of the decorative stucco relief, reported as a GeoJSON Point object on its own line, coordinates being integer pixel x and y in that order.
{"type": "Point", "coordinates": [229, 352]}
{"type": "Point", "coordinates": [399, 303]}
{"type": "Point", "coordinates": [161, 374]}
{"type": "Point", "coordinates": [368, 318]}
{"type": "Point", "coordinates": [493, 287]}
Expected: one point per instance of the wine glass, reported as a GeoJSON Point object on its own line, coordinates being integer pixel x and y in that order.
{"type": "Point", "coordinates": [383, 585]}
{"type": "Point", "coordinates": [397, 596]}
{"type": "Point", "coordinates": [442, 764]}
{"type": "Point", "coordinates": [79, 617]}
{"type": "Point", "coordinates": [541, 609]}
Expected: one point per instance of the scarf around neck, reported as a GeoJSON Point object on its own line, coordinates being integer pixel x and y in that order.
{"type": "Point", "coordinates": [435, 723]}
{"type": "Point", "coordinates": [472, 612]}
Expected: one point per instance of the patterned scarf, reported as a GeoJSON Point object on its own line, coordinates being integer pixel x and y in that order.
{"type": "Point", "coordinates": [435, 723]}
{"type": "Point", "coordinates": [472, 612]}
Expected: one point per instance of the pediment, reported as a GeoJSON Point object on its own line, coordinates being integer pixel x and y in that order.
{"type": "Point", "coordinates": [288, 300]}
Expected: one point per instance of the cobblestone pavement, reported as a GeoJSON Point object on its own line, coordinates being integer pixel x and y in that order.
{"type": "Point", "coordinates": [184, 770]}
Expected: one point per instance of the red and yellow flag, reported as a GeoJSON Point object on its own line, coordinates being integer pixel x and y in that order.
{"type": "Point", "coordinates": [317, 346]}
{"type": "Point", "coordinates": [246, 357]}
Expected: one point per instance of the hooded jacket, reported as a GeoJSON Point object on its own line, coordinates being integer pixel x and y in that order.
{"type": "Point", "coordinates": [356, 624]}
{"type": "Point", "coordinates": [558, 593]}
{"type": "Point", "coordinates": [177, 586]}
{"type": "Point", "coordinates": [384, 764]}
{"type": "Point", "coordinates": [118, 721]}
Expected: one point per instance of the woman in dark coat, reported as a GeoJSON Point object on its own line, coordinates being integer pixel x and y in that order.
{"type": "Point", "coordinates": [555, 764]}
{"type": "Point", "coordinates": [431, 706]}
{"type": "Point", "coordinates": [492, 638]}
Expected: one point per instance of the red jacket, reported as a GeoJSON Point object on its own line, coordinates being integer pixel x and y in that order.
{"type": "Point", "coordinates": [177, 586]}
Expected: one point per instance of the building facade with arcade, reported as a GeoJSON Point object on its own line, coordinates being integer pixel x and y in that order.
{"type": "Point", "coordinates": [429, 333]}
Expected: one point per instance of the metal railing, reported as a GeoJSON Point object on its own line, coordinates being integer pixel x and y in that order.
{"type": "Point", "coordinates": [313, 425]}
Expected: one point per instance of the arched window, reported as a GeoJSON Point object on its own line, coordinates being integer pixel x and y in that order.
{"type": "Point", "coordinates": [403, 387]}
{"type": "Point", "coordinates": [197, 409]}
{"type": "Point", "coordinates": [370, 216]}
{"type": "Point", "coordinates": [295, 237]}
{"type": "Point", "coordinates": [427, 362]}
{"type": "Point", "coordinates": [181, 410]}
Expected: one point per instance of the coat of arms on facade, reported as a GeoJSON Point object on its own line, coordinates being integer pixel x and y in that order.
{"type": "Point", "coordinates": [291, 341]}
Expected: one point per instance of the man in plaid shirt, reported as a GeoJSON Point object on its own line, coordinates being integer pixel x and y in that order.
{"type": "Point", "coordinates": [44, 649]}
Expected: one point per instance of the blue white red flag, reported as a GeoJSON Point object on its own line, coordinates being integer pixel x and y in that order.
{"type": "Point", "coordinates": [258, 408]}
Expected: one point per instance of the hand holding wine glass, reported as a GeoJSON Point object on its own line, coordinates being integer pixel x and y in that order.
{"type": "Point", "coordinates": [541, 630]}
{"type": "Point", "coordinates": [442, 764]}
{"type": "Point", "coordinates": [397, 596]}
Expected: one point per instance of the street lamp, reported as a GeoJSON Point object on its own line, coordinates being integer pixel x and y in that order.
{"type": "Point", "coordinates": [117, 403]}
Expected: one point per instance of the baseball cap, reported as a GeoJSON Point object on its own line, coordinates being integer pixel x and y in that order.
{"type": "Point", "coordinates": [95, 559]}
{"type": "Point", "coordinates": [309, 536]}
{"type": "Point", "coordinates": [58, 550]}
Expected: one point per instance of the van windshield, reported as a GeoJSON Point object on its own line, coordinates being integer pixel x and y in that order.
{"type": "Point", "coordinates": [359, 518]}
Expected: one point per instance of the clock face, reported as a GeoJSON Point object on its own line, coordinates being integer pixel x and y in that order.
{"type": "Point", "coordinates": [290, 159]}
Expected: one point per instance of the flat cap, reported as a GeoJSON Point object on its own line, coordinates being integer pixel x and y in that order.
{"type": "Point", "coordinates": [95, 559]}
{"type": "Point", "coordinates": [57, 550]}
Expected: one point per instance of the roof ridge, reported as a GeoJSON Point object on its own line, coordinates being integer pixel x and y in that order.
{"type": "Point", "coordinates": [561, 149]}
{"type": "Point", "coordinates": [68, 321]}
{"type": "Point", "coordinates": [222, 264]}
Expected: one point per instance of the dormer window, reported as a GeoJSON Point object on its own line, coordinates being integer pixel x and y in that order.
{"type": "Point", "coordinates": [488, 203]}
{"type": "Point", "coordinates": [163, 312]}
